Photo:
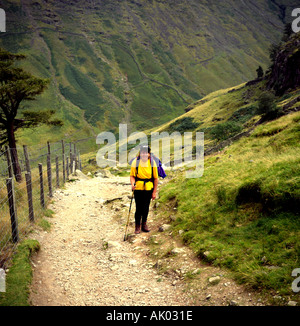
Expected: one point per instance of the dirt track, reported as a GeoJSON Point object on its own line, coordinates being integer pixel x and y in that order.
{"type": "Point", "coordinates": [84, 261]}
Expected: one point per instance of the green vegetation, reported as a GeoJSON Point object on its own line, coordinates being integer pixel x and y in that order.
{"type": "Point", "coordinates": [243, 213]}
{"type": "Point", "coordinates": [83, 93]}
{"type": "Point", "coordinates": [225, 130]}
{"type": "Point", "coordinates": [18, 279]}
{"type": "Point", "coordinates": [17, 86]}
{"type": "Point", "coordinates": [182, 125]}
{"type": "Point", "coordinates": [137, 63]}
{"type": "Point", "coordinates": [267, 106]}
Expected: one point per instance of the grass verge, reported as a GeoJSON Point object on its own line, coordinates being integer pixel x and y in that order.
{"type": "Point", "coordinates": [19, 276]}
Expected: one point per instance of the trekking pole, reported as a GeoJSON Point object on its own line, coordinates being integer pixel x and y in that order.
{"type": "Point", "coordinates": [128, 218]}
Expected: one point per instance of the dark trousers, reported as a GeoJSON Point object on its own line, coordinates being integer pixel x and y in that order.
{"type": "Point", "coordinates": [142, 203]}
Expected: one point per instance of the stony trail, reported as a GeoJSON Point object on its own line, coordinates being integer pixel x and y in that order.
{"type": "Point", "coordinates": [83, 259]}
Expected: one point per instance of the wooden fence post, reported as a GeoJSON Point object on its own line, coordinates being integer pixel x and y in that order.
{"type": "Point", "coordinates": [9, 166]}
{"type": "Point", "coordinates": [29, 196]}
{"type": "Point", "coordinates": [68, 167]}
{"type": "Point", "coordinates": [48, 144]}
{"type": "Point", "coordinates": [49, 175]}
{"type": "Point", "coordinates": [79, 162]}
{"type": "Point", "coordinates": [63, 161]}
{"type": "Point", "coordinates": [27, 164]}
{"type": "Point", "coordinates": [73, 163]}
{"type": "Point", "coordinates": [42, 197]}
{"type": "Point", "coordinates": [57, 172]}
{"type": "Point", "coordinates": [75, 157]}
{"type": "Point", "coordinates": [70, 158]}
{"type": "Point", "coordinates": [12, 210]}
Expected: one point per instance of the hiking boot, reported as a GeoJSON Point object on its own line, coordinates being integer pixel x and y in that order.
{"type": "Point", "coordinates": [137, 229]}
{"type": "Point", "coordinates": [145, 227]}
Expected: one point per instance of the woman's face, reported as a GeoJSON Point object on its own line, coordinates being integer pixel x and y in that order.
{"type": "Point", "coordinates": [144, 156]}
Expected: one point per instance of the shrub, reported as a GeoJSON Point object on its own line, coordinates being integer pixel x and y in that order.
{"type": "Point", "coordinates": [267, 106]}
{"type": "Point", "coordinates": [183, 125]}
{"type": "Point", "coordinates": [225, 130]}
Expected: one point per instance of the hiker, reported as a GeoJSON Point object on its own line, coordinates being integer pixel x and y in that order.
{"type": "Point", "coordinates": [144, 180]}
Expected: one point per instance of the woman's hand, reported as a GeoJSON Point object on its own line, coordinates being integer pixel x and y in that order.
{"type": "Point", "coordinates": [153, 195]}
{"type": "Point", "coordinates": [132, 181]}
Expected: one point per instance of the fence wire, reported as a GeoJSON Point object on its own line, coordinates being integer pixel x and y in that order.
{"type": "Point", "coordinates": [59, 158]}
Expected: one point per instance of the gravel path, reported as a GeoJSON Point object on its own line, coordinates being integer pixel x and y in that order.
{"type": "Point", "coordinates": [83, 259]}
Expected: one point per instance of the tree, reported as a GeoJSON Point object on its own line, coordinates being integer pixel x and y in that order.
{"type": "Point", "coordinates": [260, 72]}
{"type": "Point", "coordinates": [273, 51]}
{"type": "Point", "coordinates": [17, 85]}
{"type": "Point", "coordinates": [288, 31]}
{"type": "Point", "coordinates": [267, 106]}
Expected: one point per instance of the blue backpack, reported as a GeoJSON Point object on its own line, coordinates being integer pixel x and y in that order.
{"type": "Point", "coordinates": [160, 170]}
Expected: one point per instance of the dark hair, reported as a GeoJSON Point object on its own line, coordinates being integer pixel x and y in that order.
{"type": "Point", "coordinates": [145, 148]}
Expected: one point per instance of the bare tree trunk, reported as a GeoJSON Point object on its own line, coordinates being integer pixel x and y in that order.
{"type": "Point", "coordinates": [14, 154]}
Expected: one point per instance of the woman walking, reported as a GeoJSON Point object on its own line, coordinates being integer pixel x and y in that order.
{"type": "Point", "coordinates": [144, 180]}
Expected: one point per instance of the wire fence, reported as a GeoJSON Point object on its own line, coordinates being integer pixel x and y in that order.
{"type": "Point", "coordinates": [22, 202]}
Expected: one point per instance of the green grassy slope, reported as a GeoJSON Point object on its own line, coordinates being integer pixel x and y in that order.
{"type": "Point", "coordinates": [137, 62]}
{"type": "Point", "coordinates": [242, 214]}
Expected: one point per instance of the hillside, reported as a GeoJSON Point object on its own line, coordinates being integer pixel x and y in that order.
{"type": "Point", "coordinates": [243, 213]}
{"type": "Point", "coordinates": [137, 62]}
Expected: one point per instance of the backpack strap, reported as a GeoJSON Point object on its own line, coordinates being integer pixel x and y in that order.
{"type": "Point", "coordinates": [137, 167]}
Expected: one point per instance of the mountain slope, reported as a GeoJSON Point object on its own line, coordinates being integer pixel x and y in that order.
{"type": "Point", "coordinates": [138, 62]}
{"type": "Point", "coordinates": [242, 214]}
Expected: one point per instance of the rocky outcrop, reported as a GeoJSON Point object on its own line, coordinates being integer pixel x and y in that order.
{"type": "Point", "coordinates": [285, 71]}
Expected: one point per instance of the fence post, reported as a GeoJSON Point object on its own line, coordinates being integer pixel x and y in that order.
{"type": "Point", "coordinates": [63, 161]}
{"type": "Point", "coordinates": [42, 197]}
{"type": "Point", "coordinates": [48, 144]}
{"type": "Point", "coordinates": [57, 172]}
{"type": "Point", "coordinates": [67, 167]}
{"type": "Point", "coordinates": [7, 152]}
{"type": "Point", "coordinates": [26, 159]}
{"type": "Point", "coordinates": [75, 157]}
{"type": "Point", "coordinates": [29, 196]}
{"type": "Point", "coordinates": [12, 210]}
{"type": "Point", "coordinates": [49, 175]}
{"type": "Point", "coordinates": [79, 162]}
{"type": "Point", "coordinates": [70, 156]}
{"type": "Point", "coordinates": [73, 163]}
